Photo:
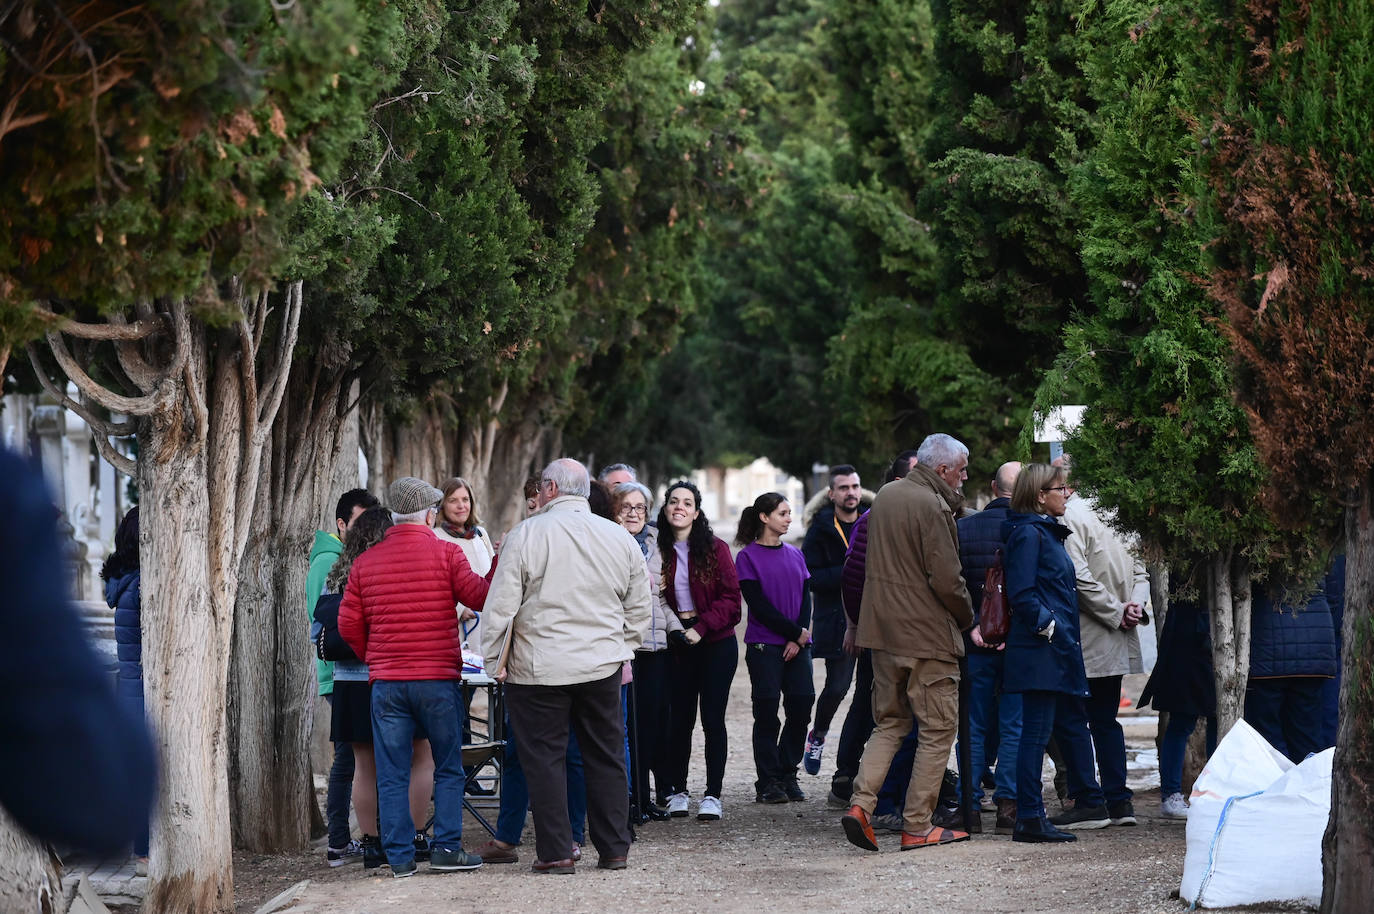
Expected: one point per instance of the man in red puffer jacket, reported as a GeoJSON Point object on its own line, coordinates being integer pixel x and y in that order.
{"type": "Point", "coordinates": [399, 615]}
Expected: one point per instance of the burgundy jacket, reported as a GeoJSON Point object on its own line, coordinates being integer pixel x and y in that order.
{"type": "Point", "coordinates": [852, 578]}
{"type": "Point", "coordinates": [717, 600]}
{"type": "Point", "coordinates": [399, 609]}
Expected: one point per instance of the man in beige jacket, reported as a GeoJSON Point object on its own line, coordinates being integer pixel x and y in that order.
{"type": "Point", "coordinates": [915, 607]}
{"type": "Point", "coordinates": [568, 605]}
{"type": "Point", "coordinates": [1113, 593]}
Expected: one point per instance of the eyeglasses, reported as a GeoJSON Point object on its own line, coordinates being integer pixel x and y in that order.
{"type": "Point", "coordinates": [1062, 490]}
{"type": "Point", "coordinates": [635, 509]}
{"type": "Point", "coordinates": [545, 482]}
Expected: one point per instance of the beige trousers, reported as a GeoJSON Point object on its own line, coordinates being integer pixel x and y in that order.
{"type": "Point", "coordinates": [903, 687]}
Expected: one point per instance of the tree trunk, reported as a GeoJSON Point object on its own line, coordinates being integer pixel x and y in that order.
{"type": "Point", "coordinates": [496, 458]}
{"type": "Point", "coordinates": [1348, 846]}
{"type": "Point", "coordinates": [1229, 585]}
{"type": "Point", "coordinates": [199, 458]}
{"type": "Point", "coordinates": [30, 875]}
{"type": "Point", "coordinates": [272, 677]}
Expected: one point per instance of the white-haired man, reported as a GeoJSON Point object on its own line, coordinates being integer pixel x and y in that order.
{"type": "Point", "coordinates": [568, 606]}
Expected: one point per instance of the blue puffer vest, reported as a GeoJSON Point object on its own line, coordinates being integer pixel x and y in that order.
{"type": "Point", "coordinates": [1288, 640]}
{"type": "Point", "coordinates": [124, 595]}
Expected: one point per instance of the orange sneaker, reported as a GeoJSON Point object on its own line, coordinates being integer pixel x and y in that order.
{"type": "Point", "coordinates": [858, 829]}
{"type": "Point", "coordinates": [931, 838]}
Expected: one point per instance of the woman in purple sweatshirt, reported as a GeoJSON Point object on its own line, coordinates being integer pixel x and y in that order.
{"type": "Point", "coordinates": [774, 582]}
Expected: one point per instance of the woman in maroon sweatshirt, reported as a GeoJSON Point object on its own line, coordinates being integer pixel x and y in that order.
{"type": "Point", "coordinates": [700, 585]}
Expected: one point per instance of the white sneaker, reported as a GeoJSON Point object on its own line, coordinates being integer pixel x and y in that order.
{"type": "Point", "coordinates": [709, 810]}
{"type": "Point", "coordinates": [1174, 807]}
{"type": "Point", "coordinates": [677, 805]}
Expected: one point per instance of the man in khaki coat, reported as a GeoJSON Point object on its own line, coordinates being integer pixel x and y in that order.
{"type": "Point", "coordinates": [568, 605]}
{"type": "Point", "coordinates": [1113, 593]}
{"type": "Point", "coordinates": [915, 607]}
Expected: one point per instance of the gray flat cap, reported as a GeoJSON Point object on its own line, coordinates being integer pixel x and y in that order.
{"type": "Point", "coordinates": [408, 495]}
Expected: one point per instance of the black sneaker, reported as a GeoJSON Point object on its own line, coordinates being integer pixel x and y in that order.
{"type": "Point", "coordinates": [1082, 817]}
{"type": "Point", "coordinates": [421, 846]}
{"type": "Point", "coordinates": [443, 860]}
{"type": "Point", "coordinates": [372, 852]}
{"type": "Point", "coordinates": [793, 790]}
{"type": "Point", "coordinates": [351, 852]}
{"type": "Point", "coordinates": [403, 870]}
{"type": "Point", "coordinates": [1121, 812]}
{"type": "Point", "coordinates": [770, 793]}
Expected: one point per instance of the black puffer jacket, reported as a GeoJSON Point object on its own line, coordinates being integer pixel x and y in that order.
{"type": "Point", "coordinates": [1288, 640]}
{"type": "Point", "coordinates": [824, 549]}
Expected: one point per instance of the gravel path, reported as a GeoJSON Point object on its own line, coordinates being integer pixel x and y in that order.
{"type": "Point", "coordinates": [775, 858]}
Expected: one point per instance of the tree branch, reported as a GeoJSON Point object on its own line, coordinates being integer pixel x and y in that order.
{"type": "Point", "coordinates": [116, 329]}
{"type": "Point", "coordinates": [133, 406]}
{"type": "Point", "coordinates": [100, 429]}
{"type": "Point", "coordinates": [286, 346]}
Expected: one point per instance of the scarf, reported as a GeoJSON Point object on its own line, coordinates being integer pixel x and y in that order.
{"type": "Point", "coordinates": [462, 533]}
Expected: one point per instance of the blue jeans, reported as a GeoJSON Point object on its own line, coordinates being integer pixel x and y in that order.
{"type": "Point", "coordinates": [1175, 745]}
{"type": "Point", "coordinates": [436, 706]}
{"type": "Point", "coordinates": [1037, 723]}
{"type": "Point", "coordinates": [1288, 713]}
{"type": "Point", "coordinates": [990, 707]}
{"type": "Point", "coordinates": [1076, 740]}
{"type": "Point", "coordinates": [515, 792]}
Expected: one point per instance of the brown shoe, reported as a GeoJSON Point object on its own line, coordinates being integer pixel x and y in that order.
{"type": "Point", "coordinates": [858, 830]}
{"type": "Point", "coordinates": [611, 863]}
{"type": "Point", "coordinates": [495, 852]}
{"type": "Point", "coordinates": [564, 867]}
{"type": "Point", "coordinates": [936, 835]}
{"type": "Point", "coordinates": [1006, 817]}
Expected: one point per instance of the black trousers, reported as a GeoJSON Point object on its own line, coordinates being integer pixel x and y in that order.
{"type": "Point", "coordinates": [778, 750]}
{"type": "Point", "coordinates": [541, 715]}
{"type": "Point", "coordinates": [701, 675]}
{"type": "Point", "coordinates": [1288, 713]}
{"type": "Point", "coordinates": [650, 723]}
{"type": "Point", "coordinates": [858, 727]}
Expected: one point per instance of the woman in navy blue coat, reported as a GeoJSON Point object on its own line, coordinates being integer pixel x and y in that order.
{"type": "Point", "coordinates": [1044, 655]}
{"type": "Point", "coordinates": [124, 594]}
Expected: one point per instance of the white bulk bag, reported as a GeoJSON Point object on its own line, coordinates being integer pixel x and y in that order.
{"type": "Point", "coordinates": [1255, 825]}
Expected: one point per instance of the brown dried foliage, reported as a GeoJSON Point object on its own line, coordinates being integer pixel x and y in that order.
{"type": "Point", "coordinates": [1304, 345]}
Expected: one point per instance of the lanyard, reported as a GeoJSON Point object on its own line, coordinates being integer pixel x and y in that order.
{"type": "Point", "coordinates": [840, 530]}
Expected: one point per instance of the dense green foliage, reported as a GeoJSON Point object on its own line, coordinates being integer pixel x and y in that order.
{"type": "Point", "coordinates": [150, 149]}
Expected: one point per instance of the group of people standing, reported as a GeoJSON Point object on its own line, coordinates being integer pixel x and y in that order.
{"type": "Point", "coordinates": [613, 633]}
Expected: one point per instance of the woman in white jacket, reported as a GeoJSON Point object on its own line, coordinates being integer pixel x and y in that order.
{"type": "Point", "coordinates": [458, 524]}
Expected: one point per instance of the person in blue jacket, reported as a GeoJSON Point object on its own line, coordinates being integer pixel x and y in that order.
{"type": "Point", "coordinates": [124, 594]}
{"type": "Point", "coordinates": [1044, 658]}
{"type": "Point", "coordinates": [61, 723]}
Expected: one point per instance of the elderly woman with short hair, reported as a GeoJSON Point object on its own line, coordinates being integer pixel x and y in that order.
{"type": "Point", "coordinates": [631, 503]}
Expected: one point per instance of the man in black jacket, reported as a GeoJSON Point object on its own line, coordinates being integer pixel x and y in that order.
{"type": "Point", "coordinates": [994, 716]}
{"type": "Point", "coordinates": [827, 540]}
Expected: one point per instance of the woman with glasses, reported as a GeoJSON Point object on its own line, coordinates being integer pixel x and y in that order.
{"type": "Point", "coordinates": [699, 585]}
{"type": "Point", "coordinates": [631, 502]}
{"type": "Point", "coordinates": [1044, 656]}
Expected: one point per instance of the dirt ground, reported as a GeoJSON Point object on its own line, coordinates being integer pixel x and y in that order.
{"type": "Point", "coordinates": [776, 858]}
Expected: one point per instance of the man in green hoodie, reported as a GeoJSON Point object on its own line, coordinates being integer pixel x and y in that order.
{"type": "Point", "coordinates": [326, 549]}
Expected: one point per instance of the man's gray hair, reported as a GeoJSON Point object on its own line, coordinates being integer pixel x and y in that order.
{"type": "Point", "coordinates": [940, 448]}
{"type": "Point", "coordinates": [415, 517]}
{"type": "Point", "coordinates": [570, 476]}
{"type": "Point", "coordinates": [614, 467]}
